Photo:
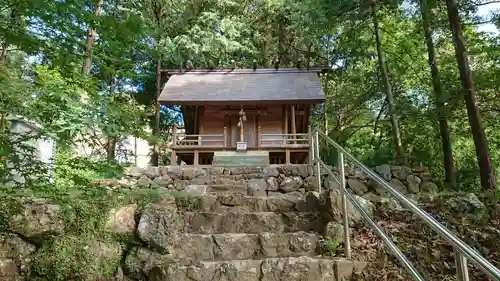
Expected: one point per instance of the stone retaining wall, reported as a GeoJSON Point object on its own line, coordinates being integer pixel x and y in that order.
{"type": "Point", "coordinates": [249, 181]}
{"type": "Point", "coordinates": [39, 229]}
{"type": "Point", "coordinates": [273, 180]}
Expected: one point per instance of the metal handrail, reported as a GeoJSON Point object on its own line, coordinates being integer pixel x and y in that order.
{"type": "Point", "coordinates": [379, 231]}
{"type": "Point", "coordinates": [462, 250]}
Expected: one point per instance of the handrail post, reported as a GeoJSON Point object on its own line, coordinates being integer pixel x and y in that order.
{"type": "Point", "coordinates": [316, 156]}
{"type": "Point", "coordinates": [312, 158]}
{"type": "Point", "coordinates": [310, 142]}
{"type": "Point", "coordinates": [462, 252]}
{"type": "Point", "coordinates": [311, 150]}
{"type": "Point", "coordinates": [380, 233]}
{"type": "Point", "coordinates": [461, 265]}
{"type": "Point", "coordinates": [347, 238]}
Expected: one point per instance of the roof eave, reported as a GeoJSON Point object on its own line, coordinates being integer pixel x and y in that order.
{"type": "Point", "coordinates": [240, 102]}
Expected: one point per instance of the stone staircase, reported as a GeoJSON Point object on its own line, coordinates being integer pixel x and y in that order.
{"type": "Point", "coordinates": [224, 236]}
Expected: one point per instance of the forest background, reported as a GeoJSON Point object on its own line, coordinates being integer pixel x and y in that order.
{"type": "Point", "coordinates": [412, 82]}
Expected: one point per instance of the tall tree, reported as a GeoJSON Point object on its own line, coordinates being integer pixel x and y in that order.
{"type": "Point", "coordinates": [487, 174]}
{"type": "Point", "coordinates": [396, 130]}
{"type": "Point", "coordinates": [157, 14]}
{"type": "Point", "coordinates": [449, 170]}
{"type": "Point", "coordinates": [90, 40]}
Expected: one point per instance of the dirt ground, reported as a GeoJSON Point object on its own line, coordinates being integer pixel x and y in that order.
{"type": "Point", "coordinates": [430, 254]}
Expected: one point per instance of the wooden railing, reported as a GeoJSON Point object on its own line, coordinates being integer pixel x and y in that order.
{"type": "Point", "coordinates": [200, 140]}
{"type": "Point", "coordinates": [222, 140]}
{"type": "Point", "coordinates": [280, 140]}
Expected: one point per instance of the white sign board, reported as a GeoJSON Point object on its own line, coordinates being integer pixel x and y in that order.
{"type": "Point", "coordinates": [241, 146]}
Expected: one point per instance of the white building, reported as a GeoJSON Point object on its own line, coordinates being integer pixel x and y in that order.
{"type": "Point", "coordinates": [42, 149]}
{"type": "Point", "coordinates": [129, 150]}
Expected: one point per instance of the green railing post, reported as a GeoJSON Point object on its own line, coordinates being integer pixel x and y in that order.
{"type": "Point", "coordinates": [316, 156]}
{"type": "Point", "coordinates": [347, 237]}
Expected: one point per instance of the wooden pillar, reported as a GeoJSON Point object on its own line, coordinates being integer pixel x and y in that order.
{"type": "Point", "coordinates": [227, 130]}
{"type": "Point", "coordinates": [286, 124]}
{"type": "Point", "coordinates": [287, 156]}
{"type": "Point", "coordinates": [294, 127]}
{"type": "Point", "coordinates": [196, 160]}
{"type": "Point", "coordinates": [173, 158]}
{"type": "Point", "coordinates": [257, 123]}
{"type": "Point", "coordinates": [259, 139]}
{"type": "Point", "coordinates": [174, 136]}
{"type": "Point", "coordinates": [305, 117]}
{"type": "Point", "coordinates": [196, 126]}
{"type": "Point", "coordinates": [225, 137]}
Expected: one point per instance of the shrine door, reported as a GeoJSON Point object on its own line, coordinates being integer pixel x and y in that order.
{"type": "Point", "coordinates": [249, 130]}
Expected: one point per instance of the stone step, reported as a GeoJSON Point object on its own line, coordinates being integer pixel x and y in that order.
{"type": "Point", "coordinates": [272, 269]}
{"type": "Point", "coordinates": [241, 159]}
{"type": "Point", "coordinates": [190, 249]}
{"type": "Point", "coordinates": [236, 189]}
{"type": "Point", "coordinates": [251, 222]}
{"type": "Point", "coordinates": [222, 203]}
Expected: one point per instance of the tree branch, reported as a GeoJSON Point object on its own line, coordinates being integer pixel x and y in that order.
{"type": "Point", "coordinates": [486, 3]}
{"type": "Point", "coordinates": [480, 22]}
{"type": "Point", "coordinates": [15, 49]}
{"type": "Point", "coordinates": [379, 115]}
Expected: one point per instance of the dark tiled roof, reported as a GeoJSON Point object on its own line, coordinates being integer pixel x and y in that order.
{"type": "Point", "coordinates": [243, 85]}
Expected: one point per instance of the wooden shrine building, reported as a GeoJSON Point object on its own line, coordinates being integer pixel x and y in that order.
{"type": "Point", "coordinates": [243, 116]}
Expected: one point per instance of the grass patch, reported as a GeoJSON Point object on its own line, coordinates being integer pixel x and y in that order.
{"type": "Point", "coordinates": [77, 258]}
{"type": "Point", "coordinates": [84, 211]}
{"type": "Point", "coordinates": [187, 202]}
{"type": "Point", "coordinates": [329, 247]}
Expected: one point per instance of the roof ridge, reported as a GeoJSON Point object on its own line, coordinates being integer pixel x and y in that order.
{"type": "Point", "coordinates": [245, 70]}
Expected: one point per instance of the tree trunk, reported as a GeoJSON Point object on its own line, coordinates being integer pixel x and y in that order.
{"type": "Point", "coordinates": [281, 41]}
{"type": "Point", "coordinates": [449, 169]}
{"type": "Point", "coordinates": [4, 53]}
{"type": "Point", "coordinates": [396, 133]}
{"type": "Point", "coordinates": [486, 171]}
{"type": "Point", "coordinates": [325, 111]}
{"type": "Point", "coordinates": [3, 115]}
{"type": "Point", "coordinates": [156, 131]}
{"type": "Point", "coordinates": [91, 33]}
{"type": "Point", "coordinates": [111, 148]}
{"type": "Point", "coordinates": [111, 140]}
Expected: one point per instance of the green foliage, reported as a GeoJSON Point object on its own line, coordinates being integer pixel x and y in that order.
{"type": "Point", "coordinates": [18, 157]}
{"type": "Point", "coordinates": [78, 171]}
{"type": "Point", "coordinates": [356, 112]}
{"type": "Point", "coordinates": [45, 43]}
{"type": "Point", "coordinates": [70, 257]}
{"type": "Point", "coordinates": [329, 246]}
{"type": "Point", "coordinates": [14, 92]}
{"type": "Point", "coordinates": [187, 202]}
{"type": "Point", "coordinates": [57, 105]}
{"type": "Point", "coordinates": [84, 211]}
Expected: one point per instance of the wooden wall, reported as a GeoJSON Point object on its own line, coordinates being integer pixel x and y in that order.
{"type": "Point", "coordinates": [211, 122]}
{"type": "Point", "coordinates": [271, 121]}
